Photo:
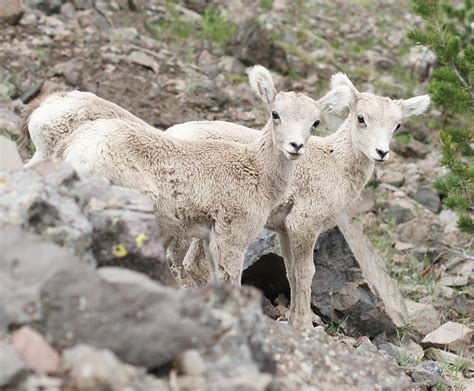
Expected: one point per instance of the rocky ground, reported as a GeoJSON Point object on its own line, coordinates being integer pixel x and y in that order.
{"type": "Point", "coordinates": [64, 324]}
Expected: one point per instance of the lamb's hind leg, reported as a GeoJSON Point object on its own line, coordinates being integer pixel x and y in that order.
{"type": "Point", "coordinates": [288, 258]}
{"type": "Point", "coordinates": [302, 241]}
{"type": "Point", "coordinates": [228, 254]}
{"type": "Point", "coordinates": [199, 263]}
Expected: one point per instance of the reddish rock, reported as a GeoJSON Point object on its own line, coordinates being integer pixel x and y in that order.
{"type": "Point", "coordinates": [35, 351]}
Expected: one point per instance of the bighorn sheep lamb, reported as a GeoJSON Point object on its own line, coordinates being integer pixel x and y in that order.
{"type": "Point", "coordinates": [218, 191]}
{"type": "Point", "coordinates": [328, 179]}
{"type": "Point", "coordinates": [50, 119]}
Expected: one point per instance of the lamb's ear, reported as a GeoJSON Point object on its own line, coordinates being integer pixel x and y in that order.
{"type": "Point", "coordinates": [415, 106]}
{"type": "Point", "coordinates": [262, 83]}
{"type": "Point", "coordinates": [341, 79]}
{"type": "Point", "coordinates": [337, 99]}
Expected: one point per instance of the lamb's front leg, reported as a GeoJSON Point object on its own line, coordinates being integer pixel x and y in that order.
{"type": "Point", "coordinates": [302, 241]}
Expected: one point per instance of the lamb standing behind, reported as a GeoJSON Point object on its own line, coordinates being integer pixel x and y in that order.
{"type": "Point", "coordinates": [328, 179]}
{"type": "Point", "coordinates": [218, 191]}
{"type": "Point", "coordinates": [49, 120]}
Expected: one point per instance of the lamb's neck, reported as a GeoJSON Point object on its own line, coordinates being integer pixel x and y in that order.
{"type": "Point", "coordinates": [277, 170]}
{"type": "Point", "coordinates": [351, 162]}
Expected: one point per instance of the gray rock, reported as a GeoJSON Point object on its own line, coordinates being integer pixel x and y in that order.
{"type": "Point", "coordinates": [21, 279]}
{"type": "Point", "coordinates": [93, 369]}
{"type": "Point", "coordinates": [11, 12]}
{"type": "Point", "coordinates": [71, 70]}
{"type": "Point", "coordinates": [9, 120]}
{"type": "Point", "coordinates": [398, 212]}
{"type": "Point", "coordinates": [68, 11]}
{"type": "Point", "coordinates": [90, 310]}
{"type": "Point", "coordinates": [421, 61]}
{"type": "Point", "coordinates": [454, 336]}
{"type": "Point", "coordinates": [41, 382]}
{"type": "Point", "coordinates": [231, 64]}
{"type": "Point", "coordinates": [392, 350]}
{"type": "Point", "coordinates": [83, 4]}
{"type": "Point", "coordinates": [39, 200]}
{"type": "Point", "coordinates": [48, 7]}
{"type": "Point", "coordinates": [414, 149]}
{"type": "Point", "coordinates": [143, 59]}
{"type": "Point", "coordinates": [427, 197]}
{"type": "Point", "coordinates": [125, 228]}
{"type": "Point", "coordinates": [350, 281]}
{"type": "Point", "coordinates": [450, 358]}
{"type": "Point", "coordinates": [199, 5]}
{"type": "Point", "coordinates": [104, 225]}
{"type": "Point", "coordinates": [357, 284]}
{"type": "Point", "coordinates": [394, 178]}
{"type": "Point", "coordinates": [147, 324]}
{"type": "Point", "coordinates": [190, 363]}
{"type": "Point", "coordinates": [9, 157]}
{"type": "Point", "coordinates": [12, 366]}
{"type": "Point", "coordinates": [423, 317]}
{"type": "Point", "coordinates": [252, 45]}
{"type": "Point", "coordinates": [427, 373]}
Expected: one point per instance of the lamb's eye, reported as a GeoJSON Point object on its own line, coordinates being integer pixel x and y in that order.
{"type": "Point", "coordinates": [360, 119]}
{"type": "Point", "coordinates": [398, 126]}
{"type": "Point", "coordinates": [315, 125]}
{"type": "Point", "coordinates": [275, 115]}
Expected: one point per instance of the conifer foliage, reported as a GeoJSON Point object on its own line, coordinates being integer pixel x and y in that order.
{"type": "Point", "coordinates": [449, 32]}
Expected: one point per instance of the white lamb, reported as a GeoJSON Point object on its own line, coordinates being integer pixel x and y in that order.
{"type": "Point", "coordinates": [50, 119]}
{"type": "Point", "coordinates": [328, 179]}
{"type": "Point", "coordinates": [220, 192]}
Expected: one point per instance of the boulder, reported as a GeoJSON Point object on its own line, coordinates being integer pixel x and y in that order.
{"type": "Point", "coordinates": [427, 197]}
{"type": "Point", "coordinates": [48, 7]}
{"type": "Point", "coordinates": [252, 45]}
{"type": "Point", "coordinates": [427, 373]}
{"type": "Point", "coordinates": [9, 157]}
{"type": "Point", "coordinates": [103, 224]}
{"type": "Point", "coordinates": [95, 369]}
{"type": "Point", "coordinates": [414, 149]}
{"type": "Point", "coordinates": [21, 279]}
{"type": "Point", "coordinates": [153, 327]}
{"type": "Point", "coordinates": [423, 317]}
{"type": "Point", "coordinates": [450, 358]}
{"type": "Point", "coordinates": [398, 211]}
{"type": "Point", "coordinates": [218, 335]}
{"type": "Point", "coordinates": [394, 178]}
{"type": "Point", "coordinates": [11, 12]}
{"type": "Point", "coordinates": [40, 200]}
{"type": "Point", "coordinates": [9, 120]}
{"type": "Point", "coordinates": [11, 364]}
{"type": "Point", "coordinates": [453, 336]}
{"type": "Point", "coordinates": [350, 284]}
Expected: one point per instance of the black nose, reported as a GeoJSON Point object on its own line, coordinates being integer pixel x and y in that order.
{"type": "Point", "coordinates": [381, 153]}
{"type": "Point", "coordinates": [297, 147]}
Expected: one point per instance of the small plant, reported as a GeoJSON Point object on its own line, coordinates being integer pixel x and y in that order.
{"type": "Point", "coordinates": [9, 135]}
{"type": "Point", "coordinates": [171, 27]}
{"type": "Point", "coordinates": [448, 32]}
{"type": "Point", "coordinates": [404, 138]}
{"type": "Point", "coordinates": [40, 53]}
{"type": "Point", "coordinates": [266, 4]}
{"type": "Point", "coordinates": [7, 89]}
{"type": "Point", "coordinates": [215, 27]}
{"type": "Point", "coordinates": [405, 360]}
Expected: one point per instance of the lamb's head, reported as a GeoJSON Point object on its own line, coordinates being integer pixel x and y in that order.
{"type": "Point", "coordinates": [294, 115]}
{"type": "Point", "coordinates": [375, 118]}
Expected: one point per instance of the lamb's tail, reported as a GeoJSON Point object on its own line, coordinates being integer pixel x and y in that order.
{"type": "Point", "coordinates": [46, 90]}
